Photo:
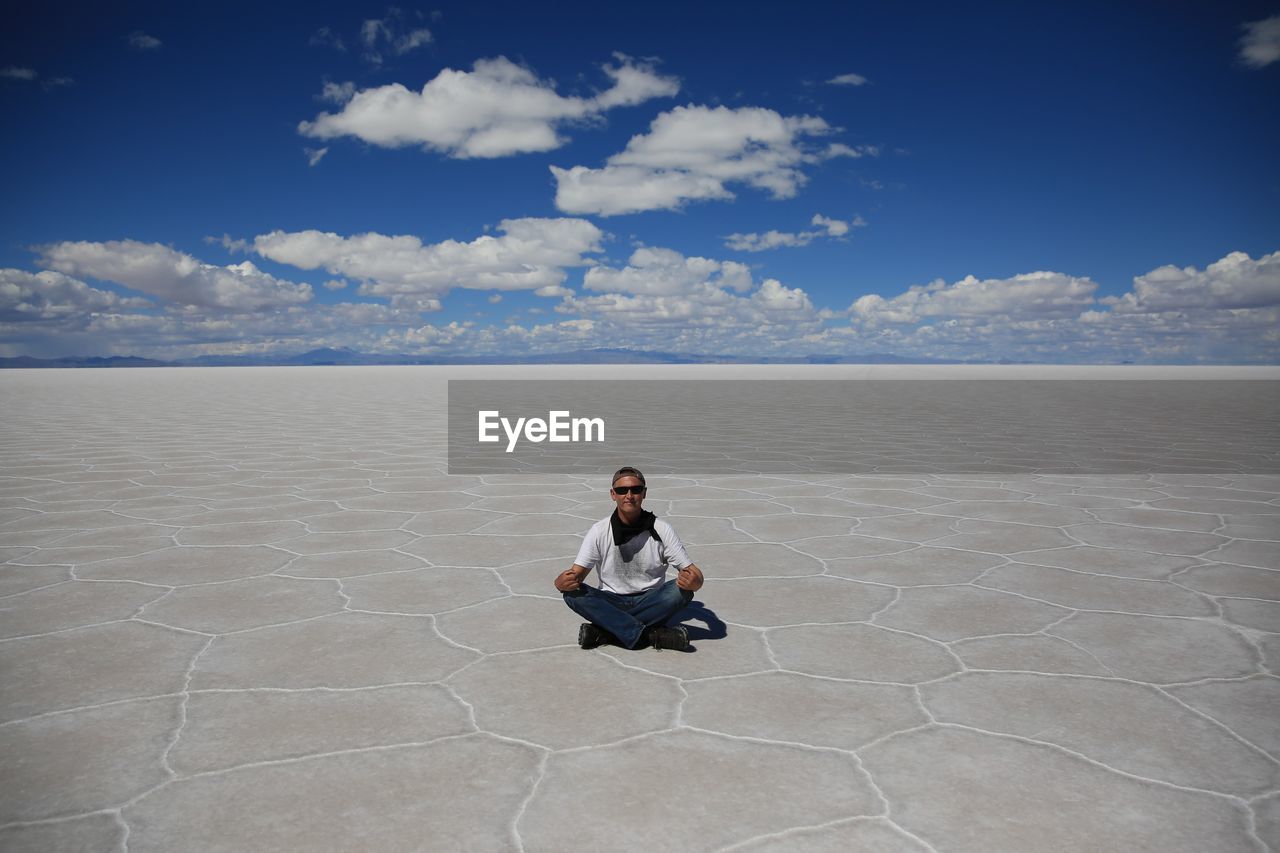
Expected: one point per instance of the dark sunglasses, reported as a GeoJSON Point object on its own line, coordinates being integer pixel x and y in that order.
{"type": "Point", "coordinates": [628, 490]}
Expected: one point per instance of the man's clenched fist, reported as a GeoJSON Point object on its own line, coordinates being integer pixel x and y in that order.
{"type": "Point", "coordinates": [568, 581]}
{"type": "Point", "coordinates": [690, 578]}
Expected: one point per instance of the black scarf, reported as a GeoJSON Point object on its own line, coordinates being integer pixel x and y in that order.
{"type": "Point", "coordinates": [624, 533]}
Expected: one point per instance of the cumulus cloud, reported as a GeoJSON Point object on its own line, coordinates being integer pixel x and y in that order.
{"type": "Point", "coordinates": [13, 72]}
{"type": "Point", "coordinates": [1029, 295]}
{"type": "Point", "coordinates": [51, 295]}
{"type": "Point", "coordinates": [428, 338]}
{"type": "Point", "coordinates": [417, 303]}
{"type": "Point", "coordinates": [531, 254]}
{"type": "Point", "coordinates": [141, 41]}
{"type": "Point", "coordinates": [473, 340]}
{"type": "Point", "coordinates": [291, 328]}
{"type": "Point", "coordinates": [664, 272]}
{"type": "Point", "coordinates": [776, 299]}
{"type": "Point", "coordinates": [497, 109]}
{"type": "Point", "coordinates": [848, 80]}
{"type": "Point", "coordinates": [315, 155]}
{"type": "Point", "coordinates": [757, 242]}
{"type": "Point", "coordinates": [664, 299]}
{"type": "Point", "coordinates": [615, 190]}
{"type": "Point", "coordinates": [1095, 336]}
{"type": "Point", "coordinates": [1260, 44]}
{"type": "Point", "coordinates": [837, 227]}
{"type": "Point", "coordinates": [173, 276]}
{"type": "Point", "coordinates": [689, 154]}
{"type": "Point", "coordinates": [1235, 281]}
{"type": "Point", "coordinates": [1228, 312]}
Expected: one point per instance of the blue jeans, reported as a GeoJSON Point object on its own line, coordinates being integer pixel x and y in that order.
{"type": "Point", "coordinates": [627, 616]}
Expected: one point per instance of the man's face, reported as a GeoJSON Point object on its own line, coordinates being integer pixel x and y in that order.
{"type": "Point", "coordinates": [628, 501]}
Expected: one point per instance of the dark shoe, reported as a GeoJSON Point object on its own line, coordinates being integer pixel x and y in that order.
{"type": "Point", "coordinates": [590, 636]}
{"type": "Point", "coordinates": [669, 638]}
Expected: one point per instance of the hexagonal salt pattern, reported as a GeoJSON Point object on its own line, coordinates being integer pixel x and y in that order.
{"type": "Point", "coordinates": [250, 610]}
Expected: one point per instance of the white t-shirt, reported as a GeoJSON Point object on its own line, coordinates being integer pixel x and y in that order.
{"type": "Point", "coordinates": [638, 565]}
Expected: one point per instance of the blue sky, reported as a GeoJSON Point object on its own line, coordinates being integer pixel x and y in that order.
{"type": "Point", "coordinates": [1076, 183]}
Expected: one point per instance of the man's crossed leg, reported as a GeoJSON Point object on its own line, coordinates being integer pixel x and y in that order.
{"type": "Point", "coordinates": [630, 620]}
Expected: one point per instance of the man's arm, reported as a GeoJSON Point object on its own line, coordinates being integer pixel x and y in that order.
{"type": "Point", "coordinates": [572, 578]}
{"type": "Point", "coordinates": [690, 578]}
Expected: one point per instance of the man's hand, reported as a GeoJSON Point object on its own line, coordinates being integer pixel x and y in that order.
{"type": "Point", "coordinates": [569, 579]}
{"type": "Point", "coordinates": [690, 578]}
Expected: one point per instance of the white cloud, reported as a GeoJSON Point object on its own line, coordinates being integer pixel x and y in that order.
{"type": "Point", "coordinates": [294, 328]}
{"type": "Point", "coordinates": [141, 41]}
{"type": "Point", "coordinates": [1229, 312]}
{"type": "Point", "coordinates": [615, 190]}
{"type": "Point", "coordinates": [659, 300]}
{"type": "Point", "coordinates": [371, 31]}
{"type": "Point", "coordinates": [496, 109]}
{"type": "Point", "coordinates": [338, 93]}
{"type": "Point", "coordinates": [335, 284]}
{"type": "Point", "coordinates": [775, 298]}
{"type": "Point", "coordinates": [839, 149]}
{"type": "Point", "coordinates": [1029, 295]}
{"type": "Point", "coordinates": [848, 80]}
{"type": "Point", "coordinates": [427, 338]}
{"type": "Point", "coordinates": [226, 242]}
{"type": "Point", "coordinates": [410, 40]}
{"type": "Point", "coordinates": [689, 154]}
{"type": "Point", "coordinates": [664, 300]}
{"type": "Point", "coordinates": [1196, 335]}
{"type": "Point", "coordinates": [414, 302]}
{"type": "Point", "coordinates": [175, 277]}
{"type": "Point", "coordinates": [837, 227]}
{"type": "Point", "coordinates": [495, 298]}
{"type": "Point", "coordinates": [13, 72]}
{"type": "Point", "coordinates": [365, 314]}
{"type": "Point", "coordinates": [1235, 281]}
{"type": "Point", "coordinates": [51, 295]}
{"type": "Point", "coordinates": [388, 34]}
{"type": "Point", "coordinates": [543, 337]}
{"type": "Point", "coordinates": [755, 242]}
{"type": "Point", "coordinates": [315, 155]}
{"type": "Point", "coordinates": [1095, 336]}
{"type": "Point", "coordinates": [664, 272]}
{"type": "Point", "coordinates": [531, 254]}
{"type": "Point", "coordinates": [633, 83]}
{"type": "Point", "coordinates": [1260, 44]}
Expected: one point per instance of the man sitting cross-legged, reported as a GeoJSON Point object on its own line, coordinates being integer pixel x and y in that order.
{"type": "Point", "coordinates": [630, 551]}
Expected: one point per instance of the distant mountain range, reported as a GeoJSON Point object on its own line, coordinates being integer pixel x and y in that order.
{"type": "Point", "coordinates": [344, 357]}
